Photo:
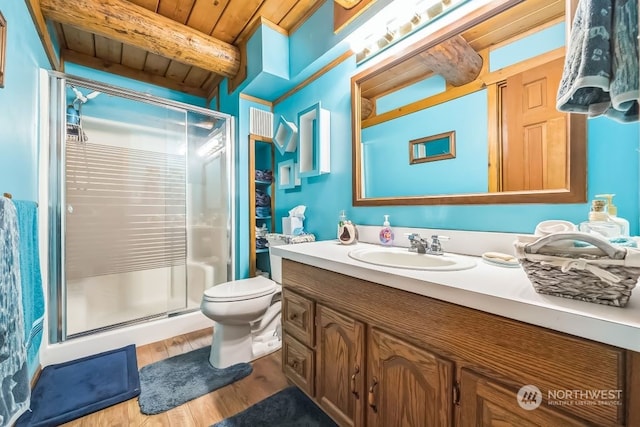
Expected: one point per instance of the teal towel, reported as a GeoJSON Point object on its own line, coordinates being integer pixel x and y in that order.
{"type": "Point", "coordinates": [14, 380]}
{"type": "Point", "coordinates": [627, 242]}
{"type": "Point", "coordinates": [601, 65]}
{"type": "Point", "coordinates": [32, 294]}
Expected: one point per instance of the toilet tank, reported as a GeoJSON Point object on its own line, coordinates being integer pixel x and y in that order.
{"type": "Point", "coordinates": [276, 261]}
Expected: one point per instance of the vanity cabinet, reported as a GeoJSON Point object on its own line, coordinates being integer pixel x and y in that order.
{"type": "Point", "coordinates": [340, 368]}
{"type": "Point", "coordinates": [380, 356]}
{"type": "Point", "coordinates": [485, 402]}
{"type": "Point", "coordinates": [407, 385]}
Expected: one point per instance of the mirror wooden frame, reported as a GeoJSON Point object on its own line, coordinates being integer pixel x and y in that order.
{"type": "Point", "coordinates": [576, 190]}
{"type": "Point", "coordinates": [3, 48]}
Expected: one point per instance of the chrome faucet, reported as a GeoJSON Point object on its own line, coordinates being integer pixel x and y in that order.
{"type": "Point", "coordinates": [422, 246]}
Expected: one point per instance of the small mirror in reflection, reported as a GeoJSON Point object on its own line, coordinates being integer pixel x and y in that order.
{"type": "Point", "coordinates": [431, 148]}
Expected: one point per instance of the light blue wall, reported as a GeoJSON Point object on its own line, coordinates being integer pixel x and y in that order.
{"type": "Point", "coordinates": [415, 92]}
{"type": "Point", "coordinates": [239, 107]}
{"type": "Point", "coordinates": [315, 37]}
{"type": "Point", "coordinates": [386, 149]}
{"type": "Point", "coordinates": [324, 195]}
{"type": "Point", "coordinates": [19, 127]}
{"type": "Point", "coordinates": [528, 47]}
{"type": "Point", "coordinates": [19, 104]}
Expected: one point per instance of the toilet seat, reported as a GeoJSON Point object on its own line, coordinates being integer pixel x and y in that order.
{"type": "Point", "coordinates": [240, 290]}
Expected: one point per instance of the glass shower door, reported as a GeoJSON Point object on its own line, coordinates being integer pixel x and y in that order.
{"type": "Point", "coordinates": [208, 222]}
{"type": "Point", "coordinates": [125, 201]}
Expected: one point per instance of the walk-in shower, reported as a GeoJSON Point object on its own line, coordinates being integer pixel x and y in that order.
{"type": "Point", "coordinates": [140, 208]}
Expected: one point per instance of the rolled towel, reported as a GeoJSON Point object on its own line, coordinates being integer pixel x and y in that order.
{"type": "Point", "coordinates": [554, 226]}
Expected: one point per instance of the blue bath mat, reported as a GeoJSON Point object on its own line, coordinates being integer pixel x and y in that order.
{"type": "Point", "coordinates": [179, 379]}
{"type": "Point", "coordinates": [287, 408]}
{"type": "Point", "coordinates": [70, 390]}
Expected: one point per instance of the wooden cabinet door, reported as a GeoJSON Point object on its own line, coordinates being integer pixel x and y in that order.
{"type": "Point", "coordinates": [339, 366]}
{"type": "Point", "coordinates": [485, 402]}
{"type": "Point", "coordinates": [534, 151]}
{"type": "Point", "coordinates": [407, 386]}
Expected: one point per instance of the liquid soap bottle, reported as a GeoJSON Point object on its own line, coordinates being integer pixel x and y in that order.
{"type": "Point", "coordinates": [342, 219]}
{"type": "Point", "coordinates": [612, 210]}
{"type": "Point", "coordinates": [599, 221]}
{"type": "Point", "coordinates": [386, 233]}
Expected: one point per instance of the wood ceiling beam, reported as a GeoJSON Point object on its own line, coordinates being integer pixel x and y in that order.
{"type": "Point", "coordinates": [129, 23]}
{"type": "Point", "coordinates": [121, 70]}
{"type": "Point", "coordinates": [455, 60]}
{"type": "Point", "coordinates": [348, 4]}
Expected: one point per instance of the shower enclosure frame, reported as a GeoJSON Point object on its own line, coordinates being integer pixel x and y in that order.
{"type": "Point", "coordinates": [57, 82]}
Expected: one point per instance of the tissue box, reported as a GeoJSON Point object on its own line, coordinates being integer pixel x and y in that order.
{"type": "Point", "coordinates": [292, 225]}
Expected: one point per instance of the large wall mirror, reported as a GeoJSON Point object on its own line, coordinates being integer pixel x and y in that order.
{"type": "Point", "coordinates": [491, 77]}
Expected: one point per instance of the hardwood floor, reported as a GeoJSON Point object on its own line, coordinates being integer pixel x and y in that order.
{"type": "Point", "coordinates": [266, 379]}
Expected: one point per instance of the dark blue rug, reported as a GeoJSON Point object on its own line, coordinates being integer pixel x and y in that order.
{"type": "Point", "coordinates": [70, 390]}
{"type": "Point", "coordinates": [287, 408]}
{"type": "Point", "coordinates": [179, 379]}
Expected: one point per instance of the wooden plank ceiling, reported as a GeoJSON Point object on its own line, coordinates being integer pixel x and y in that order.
{"type": "Point", "coordinates": [230, 21]}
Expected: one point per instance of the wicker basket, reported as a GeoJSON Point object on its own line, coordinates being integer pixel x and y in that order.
{"type": "Point", "coordinates": [602, 273]}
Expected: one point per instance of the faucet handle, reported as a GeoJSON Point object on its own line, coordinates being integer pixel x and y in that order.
{"type": "Point", "coordinates": [412, 236]}
{"type": "Point", "coordinates": [436, 246]}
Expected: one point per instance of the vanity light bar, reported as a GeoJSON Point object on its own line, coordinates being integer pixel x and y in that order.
{"type": "Point", "coordinates": [394, 22]}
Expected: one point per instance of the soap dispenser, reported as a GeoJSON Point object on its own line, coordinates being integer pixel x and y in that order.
{"type": "Point", "coordinates": [612, 210]}
{"type": "Point", "coordinates": [342, 219]}
{"type": "Point", "coordinates": [386, 233]}
{"type": "Point", "coordinates": [599, 221]}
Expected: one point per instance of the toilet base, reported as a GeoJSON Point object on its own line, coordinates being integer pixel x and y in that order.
{"type": "Point", "coordinates": [236, 344]}
{"type": "Point", "coordinates": [231, 344]}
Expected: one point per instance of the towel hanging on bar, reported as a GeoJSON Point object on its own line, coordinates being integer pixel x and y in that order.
{"type": "Point", "coordinates": [601, 66]}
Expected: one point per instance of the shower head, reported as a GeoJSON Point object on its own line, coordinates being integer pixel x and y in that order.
{"type": "Point", "coordinates": [81, 98]}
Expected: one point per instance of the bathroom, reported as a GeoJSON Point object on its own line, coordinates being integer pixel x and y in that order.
{"type": "Point", "coordinates": [308, 66]}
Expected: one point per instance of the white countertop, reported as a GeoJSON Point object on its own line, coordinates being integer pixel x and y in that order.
{"type": "Point", "coordinates": [502, 291]}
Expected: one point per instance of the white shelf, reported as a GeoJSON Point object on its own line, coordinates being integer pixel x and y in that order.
{"type": "Point", "coordinates": [314, 155]}
{"type": "Point", "coordinates": [286, 174]}
{"type": "Point", "coordinates": [286, 136]}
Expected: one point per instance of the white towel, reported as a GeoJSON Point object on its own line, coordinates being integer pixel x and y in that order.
{"type": "Point", "coordinates": [601, 65]}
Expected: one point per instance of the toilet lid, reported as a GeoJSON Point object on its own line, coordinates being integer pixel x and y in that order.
{"type": "Point", "coordinates": [239, 290]}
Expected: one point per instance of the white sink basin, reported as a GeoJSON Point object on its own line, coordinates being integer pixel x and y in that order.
{"type": "Point", "coordinates": [402, 258]}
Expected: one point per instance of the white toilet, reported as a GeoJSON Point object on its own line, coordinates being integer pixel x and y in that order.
{"type": "Point", "coordinates": [247, 316]}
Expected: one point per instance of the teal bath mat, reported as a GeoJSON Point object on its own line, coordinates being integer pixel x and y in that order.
{"type": "Point", "coordinates": [179, 379]}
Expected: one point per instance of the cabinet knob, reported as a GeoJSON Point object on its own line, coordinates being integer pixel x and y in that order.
{"type": "Point", "coordinates": [293, 316]}
{"type": "Point", "coordinates": [372, 395]}
{"type": "Point", "coordinates": [294, 364]}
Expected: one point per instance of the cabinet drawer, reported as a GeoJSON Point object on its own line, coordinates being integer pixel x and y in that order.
{"type": "Point", "coordinates": [298, 315]}
{"type": "Point", "coordinates": [298, 364]}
